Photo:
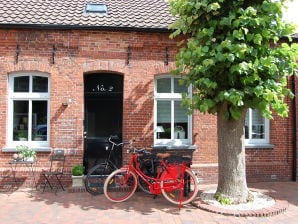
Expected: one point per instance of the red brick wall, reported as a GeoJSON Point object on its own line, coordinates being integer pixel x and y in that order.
{"type": "Point", "coordinates": [274, 164]}
{"type": "Point", "coordinates": [83, 52]}
{"type": "Point", "coordinates": [295, 130]}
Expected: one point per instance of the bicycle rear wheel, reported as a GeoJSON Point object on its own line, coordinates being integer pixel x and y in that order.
{"type": "Point", "coordinates": [96, 177]}
{"type": "Point", "coordinates": [120, 185]}
{"type": "Point", "coordinates": [178, 189]}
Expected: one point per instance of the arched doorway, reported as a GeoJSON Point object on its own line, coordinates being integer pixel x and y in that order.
{"type": "Point", "coordinates": [103, 93]}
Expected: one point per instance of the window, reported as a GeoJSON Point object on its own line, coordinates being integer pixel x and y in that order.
{"type": "Point", "coordinates": [28, 110]}
{"type": "Point", "coordinates": [172, 124]}
{"type": "Point", "coordinates": [96, 8]}
{"type": "Point", "coordinates": [256, 128]}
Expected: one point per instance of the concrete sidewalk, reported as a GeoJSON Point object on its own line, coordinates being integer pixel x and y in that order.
{"type": "Point", "coordinates": [26, 206]}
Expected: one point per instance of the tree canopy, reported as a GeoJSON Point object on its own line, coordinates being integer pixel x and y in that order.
{"type": "Point", "coordinates": [234, 53]}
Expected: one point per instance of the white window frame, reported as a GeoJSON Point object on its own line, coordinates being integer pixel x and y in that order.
{"type": "Point", "coordinates": [170, 97]}
{"type": "Point", "coordinates": [250, 140]}
{"type": "Point", "coordinates": [28, 96]}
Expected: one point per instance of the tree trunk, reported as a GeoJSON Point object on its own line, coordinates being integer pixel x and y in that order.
{"type": "Point", "coordinates": [231, 158]}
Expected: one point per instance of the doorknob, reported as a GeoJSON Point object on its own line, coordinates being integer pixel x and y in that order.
{"type": "Point", "coordinates": [85, 134]}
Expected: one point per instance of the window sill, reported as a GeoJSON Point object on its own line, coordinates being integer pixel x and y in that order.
{"type": "Point", "coordinates": [181, 150]}
{"type": "Point", "coordinates": [174, 147]}
{"type": "Point", "coordinates": [37, 149]}
{"type": "Point", "coordinates": [259, 146]}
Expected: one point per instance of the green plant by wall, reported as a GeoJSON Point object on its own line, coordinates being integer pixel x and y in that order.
{"type": "Point", "coordinates": [222, 199]}
{"type": "Point", "coordinates": [78, 170]}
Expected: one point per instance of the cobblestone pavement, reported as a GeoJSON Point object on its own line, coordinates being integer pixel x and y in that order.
{"type": "Point", "coordinates": [27, 206]}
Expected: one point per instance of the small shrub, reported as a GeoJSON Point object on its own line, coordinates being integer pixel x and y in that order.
{"type": "Point", "coordinates": [222, 199]}
{"type": "Point", "coordinates": [78, 170]}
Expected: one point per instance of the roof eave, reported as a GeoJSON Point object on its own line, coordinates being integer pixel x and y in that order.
{"type": "Point", "coordinates": [83, 27]}
{"type": "Point", "coordinates": [286, 39]}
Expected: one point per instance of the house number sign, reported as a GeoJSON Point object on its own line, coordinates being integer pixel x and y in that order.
{"type": "Point", "coordinates": [102, 88]}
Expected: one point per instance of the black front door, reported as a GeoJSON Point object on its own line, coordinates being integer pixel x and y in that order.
{"type": "Point", "coordinates": [103, 117]}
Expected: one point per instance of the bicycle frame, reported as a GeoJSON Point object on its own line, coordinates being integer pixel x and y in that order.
{"type": "Point", "coordinates": [107, 160]}
{"type": "Point", "coordinates": [166, 172]}
{"type": "Point", "coordinates": [99, 172]}
{"type": "Point", "coordinates": [173, 179]}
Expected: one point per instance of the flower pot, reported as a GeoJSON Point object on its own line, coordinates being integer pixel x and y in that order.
{"type": "Point", "coordinates": [22, 139]}
{"type": "Point", "coordinates": [179, 134]}
{"type": "Point", "coordinates": [37, 138]}
{"type": "Point", "coordinates": [77, 181]}
{"type": "Point", "coordinates": [29, 159]}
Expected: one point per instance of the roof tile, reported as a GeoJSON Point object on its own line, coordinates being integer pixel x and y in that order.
{"type": "Point", "coordinates": [143, 14]}
{"type": "Point", "coordinates": [135, 14]}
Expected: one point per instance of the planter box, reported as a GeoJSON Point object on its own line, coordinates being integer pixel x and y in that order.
{"type": "Point", "coordinates": [77, 181]}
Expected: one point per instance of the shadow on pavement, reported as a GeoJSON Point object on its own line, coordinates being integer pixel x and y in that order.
{"type": "Point", "coordinates": [140, 202]}
{"type": "Point", "coordinates": [278, 190]}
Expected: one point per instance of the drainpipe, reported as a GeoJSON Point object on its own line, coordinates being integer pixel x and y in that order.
{"type": "Point", "coordinates": [294, 129]}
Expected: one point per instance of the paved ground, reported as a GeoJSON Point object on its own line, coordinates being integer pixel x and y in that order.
{"type": "Point", "coordinates": [26, 206]}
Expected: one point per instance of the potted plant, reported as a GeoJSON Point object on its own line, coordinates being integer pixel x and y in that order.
{"type": "Point", "coordinates": [179, 132]}
{"type": "Point", "coordinates": [22, 136]}
{"type": "Point", "coordinates": [77, 172]}
{"type": "Point", "coordinates": [27, 153]}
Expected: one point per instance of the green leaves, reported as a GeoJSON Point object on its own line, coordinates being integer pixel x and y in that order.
{"type": "Point", "coordinates": [258, 39]}
{"type": "Point", "coordinates": [229, 57]}
{"type": "Point", "coordinates": [233, 96]}
{"type": "Point", "coordinates": [205, 83]}
{"type": "Point", "coordinates": [213, 7]}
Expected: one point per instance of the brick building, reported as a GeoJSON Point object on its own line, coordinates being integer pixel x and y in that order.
{"type": "Point", "coordinates": [73, 73]}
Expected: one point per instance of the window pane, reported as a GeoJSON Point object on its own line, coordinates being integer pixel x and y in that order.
{"type": "Point", "coordinates": [40, 84]}
{"type": "Point", "coordinates": [181, 121]}
{"type": "Point", "coordinates": [39, 120]}
{"type": "Point", "coordinates": [20, 120]}
{"type": "Point", "coordinates": [164, 85]}
{"type": "Point", "coordinates": [247, 124]}
{"type": "Point", "coordinates": [21, 84]}
{"type": "Point", "coordinates": [179, 88]}
{"type": "Point", "coordinates": [164, 119]}
{"type": "Point", "coordinates": [258, 123]}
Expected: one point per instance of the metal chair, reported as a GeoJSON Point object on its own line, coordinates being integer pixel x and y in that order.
{"type": "Point", "coordinates": [52, 177]}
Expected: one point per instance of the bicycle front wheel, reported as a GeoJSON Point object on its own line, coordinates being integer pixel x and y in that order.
{"type": "Point", "coordinates": [96, 177]}
{"type": "Point", "coordinates": [180, 190]}
{"type": "Point", "coordinates": [120, 185]}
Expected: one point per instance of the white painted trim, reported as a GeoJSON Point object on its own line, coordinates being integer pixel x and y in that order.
{"type": "Point", "coordinates": [30, 97]}
{"type": "Point", "coordinates": [201, 165]}
{"type": "Point", "coordinates": [265, 140]}
{"type": "Point", "coordinates": [170, 97]}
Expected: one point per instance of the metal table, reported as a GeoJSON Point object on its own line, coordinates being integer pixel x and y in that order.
{"type": "Point", "coordinates": [29, 164]}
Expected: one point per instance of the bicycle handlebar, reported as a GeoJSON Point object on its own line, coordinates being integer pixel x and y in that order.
{"type": "Point", "coordinates": [114, 143]}
{"type": "Point", "coordinates": [132, 150]}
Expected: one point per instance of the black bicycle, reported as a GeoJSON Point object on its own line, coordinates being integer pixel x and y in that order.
{"type": "Point", "coordinates": [96, 176]}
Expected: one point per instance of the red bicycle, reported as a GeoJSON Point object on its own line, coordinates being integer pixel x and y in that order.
{"type": "Point", "coordinates": [174, 179]}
